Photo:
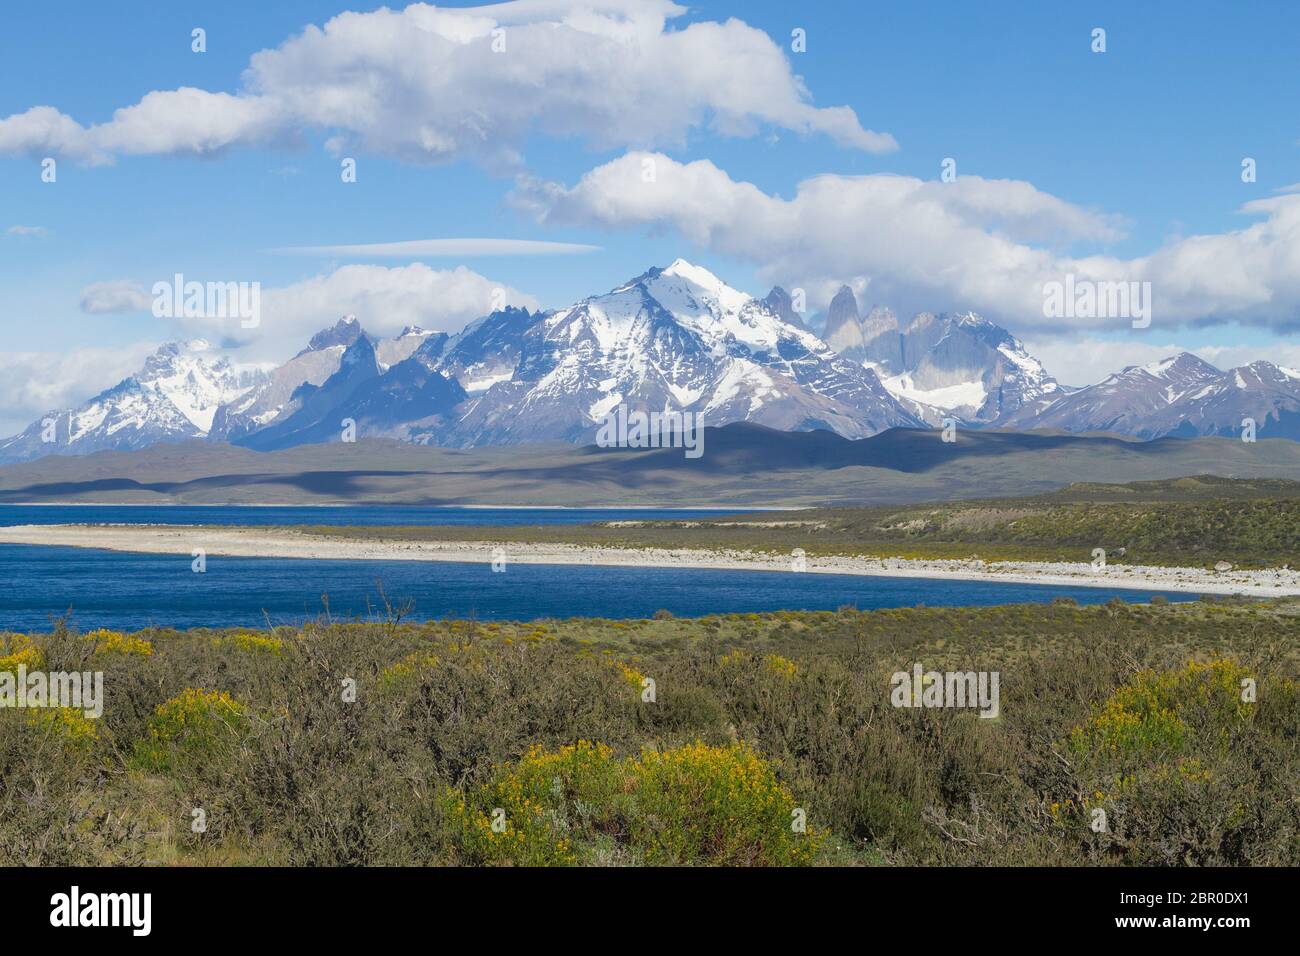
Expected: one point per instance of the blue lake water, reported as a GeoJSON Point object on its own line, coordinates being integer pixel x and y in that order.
{"type": "Point", "coordinates": [130, 591]}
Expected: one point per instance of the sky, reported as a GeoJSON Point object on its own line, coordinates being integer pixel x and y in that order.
{"type": "Point", "coordinates": [580, 143]}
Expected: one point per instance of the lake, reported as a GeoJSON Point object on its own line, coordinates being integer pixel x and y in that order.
{"type": "Point", "coordinates": [129, 591]}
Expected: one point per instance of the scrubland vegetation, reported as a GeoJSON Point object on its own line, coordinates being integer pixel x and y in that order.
{"type": "Point", "coordinates": [770, 740]}
{"type": "Point", "coordinates": [1188, 522]}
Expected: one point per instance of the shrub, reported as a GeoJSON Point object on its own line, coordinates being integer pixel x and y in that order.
{"type": "Point", "coordinates": [716, 805]}
{"type": "Point", "coordinates": [1156, 756]}
{"type": "Point", "coordinates": [781, 665]}
{"type": "Point", "coordinates": [691, 805]}
{"type": "Point", "coordinates": [115, 642]}
{"type": "Point", "coordinates": [255, 643]}
{"type": "Point", "coordinates": [1150, 714]}
{"type": "Point", "coordinates": [18, 649]}
{"type": "Point", "coordinates": [66, 724]}
{"type": "Point", "coordinates": [536, 805]}
{"type": "Point", "coordinates": [190, 730]}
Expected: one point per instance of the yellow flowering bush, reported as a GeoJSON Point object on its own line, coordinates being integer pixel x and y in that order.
{"type": "Point", "coordinates": [254, 643]}
{"type": "Point", "coordinates": [411, 666]}
{"type": "Point", "coordinates": [70, 726]}
{"type": "Point", "coordinates": [18, 649]}
{"type": "Point", "coordinates": [1153, 745]}
{"type": "Point", "coordinates": [717, 805]}
{"type": "Point", "coordinates": [1155, 712]}
{"type": "Point", "coordinates": [536, 804]}
{"type": "Point", "coordinates": [631, 675]}
{"type": "Point", "coordinates": [190, 729]}
{"type": "Point", "coordinates": [115, 642]}
{"type": "Point", "coordinates": [693, 804]}
{"type": "Point", "coordinates": [781, 665]}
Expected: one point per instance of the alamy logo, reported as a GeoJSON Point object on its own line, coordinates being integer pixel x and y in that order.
{"type": "Point", "coordinates": [624, 429]}
{"type": "Point", "coordinates": [933, 689]}
{"type": "Point", "coordinates": [103, 909]}
{"type": "Point", "coordinates": [76, 690]}
{"type": "Point", "coordinates": [208, 300]}
{"type": "Point", "coordinates": [1087, 299]}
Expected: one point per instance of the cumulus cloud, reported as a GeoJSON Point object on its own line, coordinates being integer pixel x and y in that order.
{"type": "Point", "coordinates": [988, 245]}
{"type": "Point", "coordinates": [384, 299]}
{"type": "Point", "coordinates": [429, 84]}
{"type": "Point", "coordinates": [115, 296]}
{"type": "Point", "coordinates": [33, 383]}
{"type": "Point", "coordinates": [27, 232]}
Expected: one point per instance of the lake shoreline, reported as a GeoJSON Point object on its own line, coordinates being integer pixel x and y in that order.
{"type": "Point", "coordinates": [256, 542]}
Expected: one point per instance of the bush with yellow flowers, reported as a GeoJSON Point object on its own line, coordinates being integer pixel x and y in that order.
{"type": "Point", "coordinates": [781, 665]}
{"type": "Point", "coordinates": [191, 729]}
{"type": "Point", "coordinates": [630, 674]}
{"type": "Point", "coordinates": [18, 649]}
{"type": "Point", "coordinates": [689, 805]}
{"type": "Point", "coordinates": [1153, 757]}
{"type": "Point", "coordinates": [529, 812]}
{"type": "Point", "coordinates": [1163, 713]}
{"type": "Point", "coordinates": [67, 725]}
{"type": "Point", "coordinates": [254, 643]}
{"type": "Point", "coordinates": [717, 805]}
{"type": "Point", "coordinates": [408, 669]}
{"type": "Point", "coordinates": [116, 642]}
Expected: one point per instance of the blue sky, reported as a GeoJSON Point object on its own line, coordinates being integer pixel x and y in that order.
{"type": "Point", "coordinates": [1147, 137]}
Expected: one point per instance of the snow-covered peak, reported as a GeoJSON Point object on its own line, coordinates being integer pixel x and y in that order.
{"type": "Point", "coordinates": [1182, 365]}
{"type": "Point", "coordinates": [697, 274]}
{"type": "Point", "coordinates": [175, 395]}
{"type": "Point", "coordinates": [687, 287]}
{"type": "Point", "coordinates": [972, 320]}
{"type": "Point", "coordinates": [721, 317]}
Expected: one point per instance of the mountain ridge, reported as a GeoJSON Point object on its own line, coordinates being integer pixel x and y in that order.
{"type": "Point", "coordinates": [676, 338]}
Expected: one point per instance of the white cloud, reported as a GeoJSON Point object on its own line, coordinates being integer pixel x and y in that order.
{"type": "Point", "coordinates": [27, 232]}
{"type": "Point", "coordinates": [426, 84]}
{"type": "Point", "coordinates": [115, 296]}
{"type": "Point", "coordinates": [445, 247]}
{"type": "Point", "coordinates": [32, 383]}
{"type": "Point", "coordinates": [970, 244]}
{"type": "Point", "coordinates": [384, 299]}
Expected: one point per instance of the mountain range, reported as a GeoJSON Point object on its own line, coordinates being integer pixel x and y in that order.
{"type": "Point", "coordinates": [676, 338]}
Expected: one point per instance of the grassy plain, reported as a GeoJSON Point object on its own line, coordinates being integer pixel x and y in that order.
{"type": "Point", "coordinates": [1193, 522]}
{"type": "Point", "coordinates": [388, 742]}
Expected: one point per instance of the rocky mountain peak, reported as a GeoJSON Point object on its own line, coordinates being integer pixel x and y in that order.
{"type": "Point", "coordinates": [343, 333]}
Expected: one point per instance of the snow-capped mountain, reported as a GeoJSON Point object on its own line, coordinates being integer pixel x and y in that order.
{"type": "Point", "coordinates": [677, 338]}
{"type": "Point", "coordinates": [408, 401]}
{"type": "Point", "coordinates": [672, 339]}
{"type": "Point", "coordinates": [1181, 395]}
{"type": "Point", "coordinates": [175, 396]}
{"type": "Point", "coordinates": [274, 397]}
{"type": "Point", "coordinates": [941, 365]}
{"type": "Point", "coordinates": [388, 352]}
